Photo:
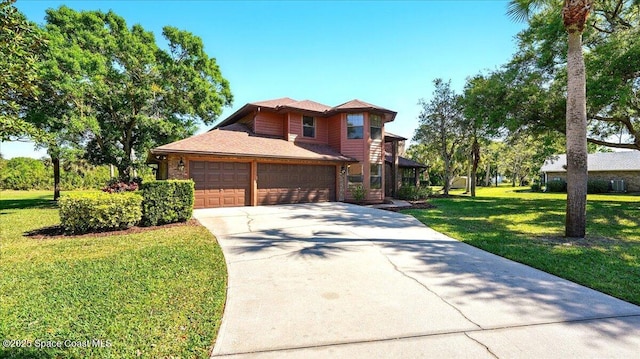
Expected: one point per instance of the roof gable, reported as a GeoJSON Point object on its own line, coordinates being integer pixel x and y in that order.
{"type": "Point", "coordinates": [275, 103]}
{"type": "Point", "coordinates": [358, 105]}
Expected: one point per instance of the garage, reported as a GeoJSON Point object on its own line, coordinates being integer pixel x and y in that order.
{"type": "Point", "coordinates": [221, 184]}
{"type": "Point", "coordinates": [287, 183]}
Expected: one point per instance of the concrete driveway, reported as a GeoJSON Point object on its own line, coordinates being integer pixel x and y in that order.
{"type": "Point", "coordinates": [338, 280]}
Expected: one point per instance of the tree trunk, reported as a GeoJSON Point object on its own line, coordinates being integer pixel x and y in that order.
{"type": "Point", "coordinates": [467, 187]}
{"type": "Point", "coordinates": [55, 160]}
{"type": "Point", "coordinates": [124, 172]}
{"type": "Point", "coordinates": [487, 176]}
{"type": "Point", "coordinates": [446, 176]}
{"type": "Point", "coordinates": [475, 155]}
{"type": "Point", "coordinates": [576, 216]}
{"type": "Point", "coordinates": [574, 14]}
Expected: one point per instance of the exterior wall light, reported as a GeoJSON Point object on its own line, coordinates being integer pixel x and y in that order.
{"type": "Point", "coordinates": [181, 165]}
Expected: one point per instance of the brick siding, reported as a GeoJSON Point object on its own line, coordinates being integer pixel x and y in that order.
{"type": "Point", "coordinates": [631, 178]}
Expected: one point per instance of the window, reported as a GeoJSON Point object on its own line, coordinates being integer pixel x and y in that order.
{"type": "Point", "coordinates": [354, 173]}
{"type": "Point", "coordinates": [355, 123]}
{"type": "Point", "coordinates": [375, 122]}
{"type": "Point", "coordinates": [308, 126]}
{"type": "Point", "coordinates": [376, 176]}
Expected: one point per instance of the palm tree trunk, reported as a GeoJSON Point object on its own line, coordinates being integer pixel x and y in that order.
{"type": "Point", "coordinates": [574, 14]}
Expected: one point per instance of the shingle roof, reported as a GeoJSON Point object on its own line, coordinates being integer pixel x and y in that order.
{"type": "Point", "coordinates": [388, 137]}
{"type": "Point", "coordinates": [238, 140]}
{"type": "Point", "coordinates": [318, 109]}
{"type": "Point", "coordinates": [404, 162]}
{"type": "Point", "coordinates": [359, 105]}
{"type": "Point", "coordinates": [610, 161]}
{"type": "Point", "coordinates": [308, 105]}
{"type": "Point", "coordinates": [274, 103]}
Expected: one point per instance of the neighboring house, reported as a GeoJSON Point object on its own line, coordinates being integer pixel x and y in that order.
{"type": "Point", "coordinates": [283, 151]}
{"type": "Point", "coordinates": [620, 169]}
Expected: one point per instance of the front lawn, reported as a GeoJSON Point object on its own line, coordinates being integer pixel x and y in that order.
{"type": "Point", "coordinates": [156, 293]}
{"type": "Point", "coordinates": [528, 228]}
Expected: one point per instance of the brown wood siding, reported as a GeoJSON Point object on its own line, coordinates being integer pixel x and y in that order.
{"type": "Point", "coordinates": [221, 184]}
{"type": "Point", "coordinates": [322, 130]}
{"type": "Point", "coordinates": [285, 183]}
{"type": "Point", "coordinates": [248, 121]}
{"type": "Point", "coordinates": [334, 130]}
{"type": "Point", "coordinates": [295, 126]}
{"type": "Point", "coordinates": [269, 123]}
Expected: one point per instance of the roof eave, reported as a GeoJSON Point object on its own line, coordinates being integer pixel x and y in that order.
{"type": "Point", "coordinates": [246, 155]}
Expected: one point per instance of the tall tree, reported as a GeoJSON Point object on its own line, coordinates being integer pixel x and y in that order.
{"type": "Point", "coordinates": [130, 94]}
{"type": "Point", "coordinates": [484, 110]}
{"type": "Point", "coordinates": [574, 17]}
{"type": "Point", "coordinates": [21, 44]}
{"type": "Point", "coordinates": [442, 126]}
{"type": "Point", "coordinates": [611, 40]}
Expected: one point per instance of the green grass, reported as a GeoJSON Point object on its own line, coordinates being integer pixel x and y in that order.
{"type": "Point", "coordinates": [157, 293]}
{"type": "Point", "coordinates": [528, 228]}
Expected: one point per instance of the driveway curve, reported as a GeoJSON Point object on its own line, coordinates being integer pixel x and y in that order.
{"type": "Point", "coordinates": [339, 280]}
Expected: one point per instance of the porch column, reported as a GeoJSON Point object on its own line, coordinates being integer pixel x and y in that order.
{"type": "Point", "coordinates": [394, 168]}
{"type": "Point", "coordinates": [416, 176]}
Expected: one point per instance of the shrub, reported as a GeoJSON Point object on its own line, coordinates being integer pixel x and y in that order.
{"type": "Point", "coordinates": [23, 173]}
{"type": "Point", "coordinates": [167, 201]}
{"type": "Point", "coordinates": [358, 192]}
{"type": "Point", "coordinates": [98, 211]}
{"type": "Point", "coordinates": [413, 193]}
{"type": "Point", "coordinates": [597, 186]}
{"type": "Point", "coordinates": [114, 185]}
{"type": "Point", "coordinates": [92, 178]}
{"type": "Point", "coordinates": [536, 187]}
{"type": "Point", "coordinates": [556, 186]}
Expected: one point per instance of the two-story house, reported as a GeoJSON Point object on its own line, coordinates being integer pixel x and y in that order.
{"type": "Point", "coordinates": [283, 151]}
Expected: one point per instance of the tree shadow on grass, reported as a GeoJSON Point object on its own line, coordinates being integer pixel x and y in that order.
{"type": "Point", "coordinates": [42, 202]}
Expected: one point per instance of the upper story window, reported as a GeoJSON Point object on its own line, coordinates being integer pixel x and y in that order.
{"type": "Point", "coordinates": [308, 126]}
{"type": "Point", "coordinates": [375, 122]}
{"type": "Point", "coordinates": [355, 125]}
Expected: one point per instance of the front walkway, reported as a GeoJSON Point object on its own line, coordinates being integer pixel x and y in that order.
{"type": "Point", "coordinates": [339, 280]}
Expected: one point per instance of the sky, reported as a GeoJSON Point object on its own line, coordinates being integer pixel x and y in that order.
{"type": "Point", "coordinates": [383, 52]}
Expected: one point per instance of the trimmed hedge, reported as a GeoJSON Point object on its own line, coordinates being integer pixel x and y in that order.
{"type": "Point", "coordinates": [167, 201]}
{"type": "Point", "coordinates": [99, 211]}
{"type": "Point", "coordinates": [597, 186]}
{"type": "Point", "coordinates": [413, 193]}
{"type": "Point", "coordinates": [556, 186]}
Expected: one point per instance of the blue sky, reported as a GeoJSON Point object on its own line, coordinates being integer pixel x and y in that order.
{"type": "Point", "coordinates": [383, 52]}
